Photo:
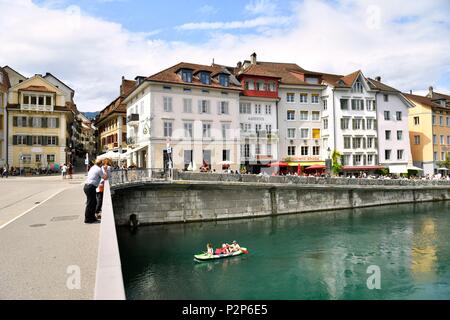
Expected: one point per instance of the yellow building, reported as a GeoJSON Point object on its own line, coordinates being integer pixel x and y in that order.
{"type": "Point", "coordinates": [111, 122]}
{"type": "Point", "coordinates": [429, 130]}
{"type": "Point", "coordinates": [39, 120]}
{"type": "Point", "coordinates": [4, 86]}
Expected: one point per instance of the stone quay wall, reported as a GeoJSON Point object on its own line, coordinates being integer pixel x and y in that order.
{"type": "Point", "coordinates": [209, 197]}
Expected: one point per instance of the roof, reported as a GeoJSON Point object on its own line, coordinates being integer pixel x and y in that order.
{"type": "Point", "coordinates": [422, 100]}
{"type": "Point", "coordinates": [381, 86]}
{"type": "Point", "coordinates": [127, 86]}
{"type": "Point", "coordinates": [6, 84]}
{"type": "Point", "coordinates": [50, 74]}
{"type": "Point", "coordinates": [37, 89]}
{"type": "Point", "coordinates": [438, 96]}
{"type": "Point", "coordinates": [170, 75]}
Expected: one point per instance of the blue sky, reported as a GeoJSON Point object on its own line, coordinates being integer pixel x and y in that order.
{"type": "Point", "coordinates": [91, 44]}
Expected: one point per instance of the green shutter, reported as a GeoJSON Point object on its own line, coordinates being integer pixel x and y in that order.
{"type": "Point", "coordinates": [44, 122]}
{"type": "Point", "coordinates": [57, 122]}
{"type": "Point", "coordinates": [14, 121]}
{"type": "Point", "coordinates": [15, 140]}
{"type": "Point", "coordinates": [29, 140]}
{"type": "Point", "coordinates": [44, 140]}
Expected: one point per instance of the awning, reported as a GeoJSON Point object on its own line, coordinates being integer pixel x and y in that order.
{"type": "Point", "coordinates": [316, 167]}
{"type": "Point", "coordinates": [398, 169]}
{"type": "Point", "coordinates": [443, 169]}
{"type": "Point", "coordinates": [278, 164]}
{"type": "Point", "coordinates": [305, 163]}
{"type": "Point", "coordinates": [414, 168]}
{"type": "Point", "coordinates": [362, 168]}
{"type": "Point", "coordinates": [130, 151]}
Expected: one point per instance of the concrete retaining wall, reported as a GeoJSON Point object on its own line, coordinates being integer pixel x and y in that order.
{"type": "Point", "coordinates": [186, 201]}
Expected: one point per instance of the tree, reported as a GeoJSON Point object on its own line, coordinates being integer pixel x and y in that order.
{"type": "Point", "coordinates": [445, 163]}
{"type": "Point", "coordinates": [336, 166]}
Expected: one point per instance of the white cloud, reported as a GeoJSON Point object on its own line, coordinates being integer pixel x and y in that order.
{"type": "Point", "coordinates": [261, 7]}
{"type": "Point", "coordinates": [208, 10]}
{"type": "Point", "coordinates": [92, 54]}
{"type": "Point", "coordinates": [245, 24]}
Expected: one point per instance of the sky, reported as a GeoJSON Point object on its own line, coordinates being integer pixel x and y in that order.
{"type": "Point", "coordinates": [91, 44]}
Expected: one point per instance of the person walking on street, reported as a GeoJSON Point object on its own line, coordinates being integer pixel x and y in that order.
{"type": "Point", "coordinates": [70, 170]}
{"type": "Point", "coordinates": [64, 171]}
{"type": "Point", "coordinates": [95, 175]}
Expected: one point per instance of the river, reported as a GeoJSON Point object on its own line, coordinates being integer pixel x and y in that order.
{"type": "Point", "coordinates": [321, 255]}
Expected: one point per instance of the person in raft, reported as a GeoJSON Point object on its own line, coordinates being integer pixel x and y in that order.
{"type": "Point", "coordinates": [225, 249]}
{"type": "Point", "coordinates": [234, 247]}
{"type": "Point", "coordinates": [209, 249]}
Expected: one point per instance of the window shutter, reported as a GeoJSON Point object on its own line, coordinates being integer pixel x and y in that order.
{"type": "Point", "coordinates": [44, 140]}
{"type": "Point", "coordinates": [30, 122]}
{"type": "Point", "coordinates": [57, 122]}
{"type": "Point", "coordinates": [354, 124]}
{"type": "Point", "coordinates": [218, 107]}
{"type": "Point", "coordinates": [364, 143]}
{"type": "Point", "coordinates": [15, 140]}
{"type": "Point", "coordinates": [353, 104]}
{"type": "Point", "coordinates": [29, 140]}
{"type": "Point", "coordinates": [57, 140]}
{"type": "Point", "coordinates": [208, 106]}
{"type": "Point", "coordinates": [199, 106]}
{"type": "Point", "coordinates": [363, 121]}
{"type": "Point", "coordinates": [14, 121]}
{"type": "Point", "coordinates": [44, 122]}
{"type": "Point", "coordinates": [362, 104]}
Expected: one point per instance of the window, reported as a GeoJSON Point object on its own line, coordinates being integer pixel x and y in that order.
{"type": "Point", "coordinates": [347, 143]}
{"type": "Point", "coordinates": [370, 105]}
{"type": "Point", "coordinates": [304, 150]}
{"type": "Point", "coordinates": [245, 150]}
{"type": "Point", "coordinates": [257, 109]}
{"type": "Point", "coordinates": [387, 115]}
{"type": "Point", "coordinates": [205, 78]}
{"type": "Point", "coordinates": [357, 104]}
{"type": "Point", "coordinates": [448, 140]}
{"type": "Point", "coordinates": [434, 139]}
{"type": "Point", "coordinates": [268, 109]}
{"type": "Point", "coordinates": [291, 150]}
{"type": "Point", "coordinates": [325, 124]}
{"type": "Point", "coordinates": [388, 134]}
{"type": "Point", "coordinates": [434, 120]}
{"type": "Point", "coordinates": [226, 155]}
{"type": "Point", "coordinates": [224, 80]}
{"type": "Point", "coordinates": [33, 100]}
{"type": "Point", "coordinates": [303, 97]}
{"type": "Point", "coordinates": [387, 154]}
{"type": "Point", "coordinates": [260, 86]}
{"type": "Point", "coordinates": [314, 98]}
{"type": "Point", "coordinates": [400, 154]}
{"type": "Point", "coordinates": [272, 86]}
{"type": "Point", "coordinates": [52, 122]}
{"type": "Point", "coordinates": [315, 150]}
{"type": "Point", "coordinates": [21, 140]}
{"type": "Point", "coordinates": [291, 115]}
{"type": "Point", "coordinates": [304, 133]}
{"type": "Point", "coordinates": [316, 133]}
{"type": "Point", "coordinates": [249, 85]}
{"type": "Point", "coordinates": [357, 124]}
{"type": "Point", "coordinates": [344, 104]}
{"type": "Point", "coordinates": [441, 121]}
{"type": "Point", "coordinates": [357, 87]}
{"type": "Point", "coordinates": [187, 105]}
{"type": "Point", "coordinates": [442, 156]}
{"type": "Point", "coordinates": [186, 75]}
{"type": "Point", "coordinates": [399, 115]}
{"type": "Point", "coordinates": [206, 130]}
{"type": "Point", "coordinates": [448, 121]}
{"type": "Point", "coordinates": [187, 158]}
{"type": "Point", "coordinates": [357, 159]}
{"type": "Point", "coordinates": [290, 97]}
{"type": "Point", "coordinates": [442, 139]}
{"type": "Point", "coordinates": [370, 159]}
{"type": "Point", "coordinates": [50, 158]}
{"type": "Point", "coordinates": [26, 99]}
{"type": "Point", "coordinates": [204, 106]}
{"type": "Point", "coordinates": [52, 141]}
{"type": "Point", "coordinates": [38, 158]}
{"type": "Point", "coordinates": [312, 80]}
{"type": "Point", "coordinates": [315, 116]}
{"type": "Point", "coordinates": [303, 115]}
{"type": "Point", "coordinates": [370, 142]}
{"type": "Point", "coordinates": [268, 128]}
{"type": "Point", "coordinates": [399, 135]}
{"type": "Point", "coordinates": [325, 104]}
{"type": "Point", "coordinates": [416, 121]}
{"type": "Point", "coordinates": [225, 130]}
{"type": "Point", "coordinates": [37, 122]}
{"type": "Point", "coordinates": [167, 88]}
{"type": "Point", "coordinates": [188, 129]}
{"type": "Point", "coordinates": [167, 104]}
{"type": "Point", "coordinates": [370, 124]}
{"type": "Point", "coordinates": [386, 97]}
{"type": "Point", "coordinates": [37, 140]}
{"type": "Point", "coordinates": [435, 156]}
{"type": "Point", "coordinates": [245, 127]}
{"type": "Point", "coordinates": [258, 149]}
{"type": "Point", "coordinates": [258, 128]}
{"type": "Point", "coordinates": [345, 123]}
{"type": "Point", "coordinates": [291, 133]}
{"type": "Point", "coordinates": [224, 107]}
{"type": "Point", "coordinates": [167, 129]}
{"type": "Point", "coordinates": [245, 108]}
{"type": "Point", "coordinates": [357, 143]}
{"type": "Point", "coordinates": [345, 160]}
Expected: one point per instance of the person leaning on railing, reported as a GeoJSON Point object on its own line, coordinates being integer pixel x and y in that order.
{"type": "Point", "coordinates": [95, 175]}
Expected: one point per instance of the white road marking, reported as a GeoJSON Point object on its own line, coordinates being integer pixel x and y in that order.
{"type": "Point", "coordinates": [31, 209]}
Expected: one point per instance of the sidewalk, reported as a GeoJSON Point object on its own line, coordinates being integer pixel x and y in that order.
{"type": "Point", "coordinates": [37, 249]}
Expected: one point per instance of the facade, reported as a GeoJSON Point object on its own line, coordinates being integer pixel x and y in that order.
{"type": "Point", "coordinates": [257, 116]}
{"type": "Point", "coordinates": [4, 87]}
{"type": "Point", "coordinates": [189, 109]}
{"type": "Point", "coordinates": [87, 143]}
{"type": "Point", "coordinates": [429, 131]}
{"type": "Point", "coordinates": [111, 122]}
{"type": "Point", "coordinates": [351, 120]}
{"type": "Point", "coordinates": [38, 124]}
{"type": "Point", "coordinates": [394, 148]}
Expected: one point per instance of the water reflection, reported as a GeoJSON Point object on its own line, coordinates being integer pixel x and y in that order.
{"type": "Point", "coordinates": [423, 251]}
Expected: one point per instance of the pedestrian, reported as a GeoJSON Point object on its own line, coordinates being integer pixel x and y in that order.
{"type": "Point", "coordinates": [95, 175]}
{"type": "Point", "coordinates": [70, 170]}
{"type": "Point", "coordinates": [64, 171]}
{"type": "Point", "coordinates": [106, 168]}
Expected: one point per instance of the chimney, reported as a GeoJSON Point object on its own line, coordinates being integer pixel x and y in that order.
{"type": "Point", "coordinates": [430, 91]}
{"type": "Point", "coordinates": [378, 78]}
{"type": "Point", "coordinates": [410, 91]}
{"type": "Point", "coordinates": [239, 65]}
{"type": "Point", "coordinates": [253, 58]}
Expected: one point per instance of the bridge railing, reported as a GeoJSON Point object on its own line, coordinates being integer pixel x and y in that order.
{"type": "Point", "coordinates": [137, 175]}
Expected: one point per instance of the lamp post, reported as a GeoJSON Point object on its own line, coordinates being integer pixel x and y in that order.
{"type": "Point", "coordinates": [328, 162]}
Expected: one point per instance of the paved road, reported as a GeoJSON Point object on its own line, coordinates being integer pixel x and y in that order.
{"type": "Point", "coordinates": [43, 240]}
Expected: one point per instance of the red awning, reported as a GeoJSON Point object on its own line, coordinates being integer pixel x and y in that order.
{"type": "Point", "coordinates": [279, 164]}
{"type": "Point", "coordinates": [361, 168]}
{"type": "Point", "coordinates": [316, 167]}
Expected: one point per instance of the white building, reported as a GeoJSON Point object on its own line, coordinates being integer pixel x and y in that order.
{"type": "Point", "coordinates": [189, 109]}
{"type": "Point", "coordinates": [351, 120]}
{"type": "Point", "coordinates": [394, 147]}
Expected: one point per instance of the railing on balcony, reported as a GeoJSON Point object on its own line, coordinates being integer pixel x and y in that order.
{"type": "Point", "coordinates": [133, 119]}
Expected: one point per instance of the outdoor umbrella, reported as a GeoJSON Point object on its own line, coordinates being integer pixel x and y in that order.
{"type": "Point", "coordinates": [278, 164]}
{"type": "Point", "coordinates": [226, 163]}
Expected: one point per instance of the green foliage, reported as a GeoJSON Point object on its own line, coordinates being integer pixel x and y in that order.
{"type": "Point", "coordinates": [336, 166]}
{"type": "Point", "coordinates": [445, 163]}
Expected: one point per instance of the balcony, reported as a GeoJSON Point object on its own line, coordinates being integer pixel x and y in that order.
{"type": "Point", "coordinates": [133, 119]}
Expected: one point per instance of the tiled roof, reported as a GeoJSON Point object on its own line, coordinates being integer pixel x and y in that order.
{"type": "Point", "coordinates": [170, 75]}
{"type": "Point", "coordinates": [437, 95]}
{"type": "Point", "coordinates": [127, 86]}
{"type": "Point", "coordinates": [422, 100]}
{"type": "Point", "coordinates": [6, 84]}
{"type": "Point", "coordinates": [381, 86]}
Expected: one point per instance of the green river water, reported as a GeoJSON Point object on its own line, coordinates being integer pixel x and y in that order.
{"type": "Point", "coordinates": [321, 255]}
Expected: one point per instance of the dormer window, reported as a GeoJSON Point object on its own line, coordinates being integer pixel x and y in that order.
{"type": "Point", "coordinates": [205, 78]}
{"type": "Point", "coordinates": [186, 75]}
{"type": "Point", "coordinates": [358, 86]}
{"type": "Point", "coordinates": [224, 80]}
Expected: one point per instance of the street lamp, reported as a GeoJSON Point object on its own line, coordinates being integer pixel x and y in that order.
{"type": "Point", "coordinates": [328, 162]}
